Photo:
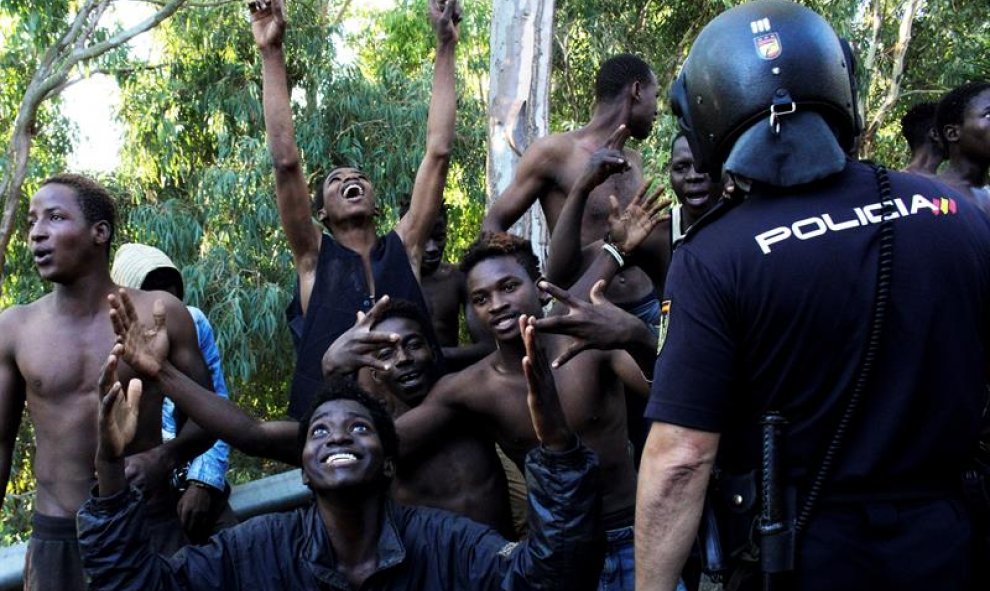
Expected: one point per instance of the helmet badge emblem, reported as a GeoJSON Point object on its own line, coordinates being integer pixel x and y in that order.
{"type": "Point", "coordinates": [768, 46]}
{"type": "Point", "coordinates": [767, 43]}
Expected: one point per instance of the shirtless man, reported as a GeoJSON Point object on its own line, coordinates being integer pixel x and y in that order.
{"type": "Point", "coordinates": [695, 193]}
{"type": "Point", "coordinates": [625, 94]}
{"type": "Point", "coordinates": [918, 128]}
{"type": "Point", "coordinates": [462, 474]}
{"type": "Point", "coordinates": [502, 272]}
{"type": "Point", "coordinates": [51, 354]}
{"type": "Point", "coordinates": [963, 119]}
{"type": "Point", "coordinates": [348, 269]}
{"type": "Point", "coordinates": [446, 295]}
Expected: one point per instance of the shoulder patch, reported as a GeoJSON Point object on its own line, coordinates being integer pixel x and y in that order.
{"type": "Point", "coordinates": [664, 320]}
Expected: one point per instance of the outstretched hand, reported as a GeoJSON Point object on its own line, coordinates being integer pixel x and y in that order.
{"type": "Point", "coordinates": [629, 228]}
{"type": "Point", "coordinates": [118, 418]}
{"type": "Point", "coordinates": [598, 324]}
{"type": "Point", "coordinates": [142, 347]}
{"type": "Point", "coordinates": [267, 22]}
{"type": "Point", "coordinates": [606, 161]}
{"type": "Point", "coordinates": [548, 417]}
{"type": "Point", "coordinates": [357, 347]}
{"type": "Point", "coordinates": [445, 16]}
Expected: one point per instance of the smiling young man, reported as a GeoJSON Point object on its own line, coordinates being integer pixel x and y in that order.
{"type": "Point", "coordinates": [51, 351]}
{"type": "Point", "coordinates": [354, 536]}
{"type": "Point", "coordinates": [460, 473]}
{"type": "Point", "coordinates": [351, 267]}
{"type": "Point", "coordinates": [502, 272]}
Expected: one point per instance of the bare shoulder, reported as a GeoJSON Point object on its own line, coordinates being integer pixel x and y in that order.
{"type": "Point", "coordinates": [559, 145]}
{"type": "Point", "coordinates": [551, 150]}
{"type": "Point", "coordinates": [465, 388]}
{"type": "Point", "coordinates": [11, 321]}
{"type": "Point", "coordinates": [15, 319]}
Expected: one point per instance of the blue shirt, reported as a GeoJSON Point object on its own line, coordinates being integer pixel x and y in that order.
{"type": "Point", "coordinates": [211, 467]}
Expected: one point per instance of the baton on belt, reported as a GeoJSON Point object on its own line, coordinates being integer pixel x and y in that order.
{"type": "Point", "coordinates": [775, 527]}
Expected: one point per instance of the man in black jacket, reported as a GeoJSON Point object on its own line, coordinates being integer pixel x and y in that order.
{"type": "Point", "coordinates": [353, 535]}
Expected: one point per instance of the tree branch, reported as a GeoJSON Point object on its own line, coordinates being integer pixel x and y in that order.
{"type": "Point", "coordinates": [119, 39]}
{"type": "Point", "coordinates": [94, 21]}
{"type": "Point", "coordinates": [215, 4]}
{"type": "Point", "coordinates": [341, 13]}
{"type": "Point", "coordinates": [910, 9]}
{"type": "Point", "coordinates": [101, 71]}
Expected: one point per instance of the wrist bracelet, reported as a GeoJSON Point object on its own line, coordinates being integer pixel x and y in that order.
{"type": "Point", "coordinates": [612, 250]}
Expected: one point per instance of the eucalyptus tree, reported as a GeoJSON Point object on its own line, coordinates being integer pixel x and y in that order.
{"type": "Point", "coordinates": [52, 47]}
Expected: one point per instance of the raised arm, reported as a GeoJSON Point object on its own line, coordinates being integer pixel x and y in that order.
{"type": "Point", "coordinates": [562, 550]}
{"type": "Point", "coordinates": [600, 324]}
{"type": "Point", "coordinates": [534, 177]}
{"type": "Point", "coordinates": [628, 231]}
{"type": "Point", "coordinates": [276, 440]}
{"type": "Point", "coordinates": [291, 191]}
{"type": "Point", "coordinates": [431, 178]}
{"type": "Point", "coordinates": [184, 353]}
{"type": "Point", "coordinates": [12, 396]}
{"type": "Point", "coordinates": [564, 262]}
{"type": "Point", "coordinates": [141, 348]}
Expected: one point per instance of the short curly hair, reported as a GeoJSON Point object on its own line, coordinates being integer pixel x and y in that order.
{"type": "Point", "coordinates": [953, 105]}
{"type": "Point", "coordinates": [618, 72]}
{"type": "Point", "coordinates": [95, 202]}
{"type": "Point", "coordinates": [499, 244]}
{"type": "Point", "coordinates": [341, 388]}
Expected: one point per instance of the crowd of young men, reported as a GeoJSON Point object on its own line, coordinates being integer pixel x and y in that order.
{"type": "Point", "coordinates": [752, 281]}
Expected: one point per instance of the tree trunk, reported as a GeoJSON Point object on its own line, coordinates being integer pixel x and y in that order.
{"type": "Point", "coordinates": [909, 9]}
{"type": "Point", "coordinates": [519, 87]}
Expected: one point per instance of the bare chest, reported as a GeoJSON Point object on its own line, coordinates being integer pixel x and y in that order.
{"type": "Point", "coordinates": [587, 406]}
{"type": "Point", "coordinates": [62, 359]}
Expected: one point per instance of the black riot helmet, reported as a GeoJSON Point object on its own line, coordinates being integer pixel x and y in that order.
{"type": "Point", "coordinates": [763, 61]}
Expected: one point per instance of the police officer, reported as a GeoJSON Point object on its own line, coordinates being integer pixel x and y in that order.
{"type": "Point", "coordinates": [852, 302]}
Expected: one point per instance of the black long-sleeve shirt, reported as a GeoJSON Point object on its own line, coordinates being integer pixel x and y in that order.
{"type": "Point", "coordinates": [418, 548]}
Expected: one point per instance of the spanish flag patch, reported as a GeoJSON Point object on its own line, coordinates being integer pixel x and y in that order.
{"type": "Point", "coordinates": [664, 319]}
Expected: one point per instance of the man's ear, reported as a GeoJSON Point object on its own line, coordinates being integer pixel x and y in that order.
{"type": "Point", "coordinates": [636, 91]}
{"type": "Point", "coordinates": [101, 232]}
{"type": "Point", "coordinates": [933, 135]}
{"type": "Point", "coordinates": [951, 133]}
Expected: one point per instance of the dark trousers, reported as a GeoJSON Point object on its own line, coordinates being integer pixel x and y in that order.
{"type": "Point", "coordinates": [903, 545]}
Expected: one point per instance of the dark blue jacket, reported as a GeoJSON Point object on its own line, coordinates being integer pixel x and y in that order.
{"type": "Point", "coordinates": [419, 548]}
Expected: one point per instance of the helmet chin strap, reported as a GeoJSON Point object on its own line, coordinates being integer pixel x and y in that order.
{"type": "Point", "coordinates": [794, 149]}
